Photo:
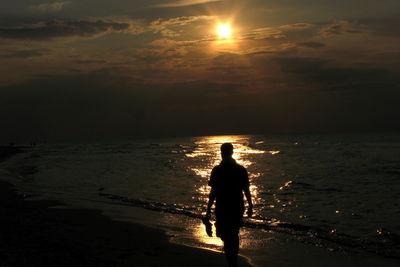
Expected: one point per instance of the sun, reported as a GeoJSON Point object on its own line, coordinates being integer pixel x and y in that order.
{"type": "Point", "coordinates": [224, 31]}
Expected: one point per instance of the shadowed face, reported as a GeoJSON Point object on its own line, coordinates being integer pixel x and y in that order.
{"type": "Point", "coordinates": [226, 150]}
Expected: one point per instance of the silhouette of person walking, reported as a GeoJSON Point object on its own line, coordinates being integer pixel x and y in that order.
{"type": "Point", "coordinates": [228, 181]}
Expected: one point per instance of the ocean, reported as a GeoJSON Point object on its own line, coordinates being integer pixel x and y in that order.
{"type": "Point", "coordinates": [336, 193]}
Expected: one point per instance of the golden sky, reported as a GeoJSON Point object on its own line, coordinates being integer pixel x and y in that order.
{"type": "Point", "coordinates": [131, 68]}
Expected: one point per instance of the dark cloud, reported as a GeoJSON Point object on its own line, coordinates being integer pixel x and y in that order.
{"type": "Point", "coordinates": [78, 9]}
{"type": "Point", "coordinates": [341, 28]}
{"type": "Point", "coordinates": [387, 26]}
{"type": "Point", "coordinates": [311, 44]}
{"type": "Point", "coordinates": [183, 3]}
{"type": "Point", "coordinates": [301, 65]}
{"type": "Point", "coordinates": [297, 26]}
{"type": "Point", "coordinates": [24, 53]}
{"type": "Point", "coordinates": [281, 9]}
{"type": "Point", "coordinates": [90, 61]}
{"type": "Point", "coordinates": [48, 30]}
{"type": "Point", "coordinates": [320, 73]}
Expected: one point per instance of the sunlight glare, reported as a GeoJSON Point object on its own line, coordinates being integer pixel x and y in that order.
{"type": "Point", "coordinates": [224, 31]}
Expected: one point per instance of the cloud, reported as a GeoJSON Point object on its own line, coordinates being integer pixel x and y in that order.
{"type": "Point", "coordinates": [281, 48]}
{"type": "Point", "coordinates": [49, 7]}
{"type": "Point", "coordinates": [324, 75]}
{"type": "Point", "coordinates": [182, 3]}
{"type": "Point", "coordinates": [167, 43]}
{"type": "Point", "coordinates": [262, 34]}
{"type": "Point", "coordinates": [90, 61]}
{"type": "Point", "coordinates": [172, 27]}
{"type": "Point", "coordinates": [24, 53]}
{"type": "Point", "coordinates": [340, 28]}
{"type": "Point", "coordinates": [168, 52]}
{"type": "Point", "coordinates": [180, 21]}
{"type": "Point", "coordinates": [297, 26]}
{"type": "Point", "coordinates": [311, 44]}
{"type": "Point", "coordinates": [52, 29]}
{"type": "Point", "coordinates": [387, 26]}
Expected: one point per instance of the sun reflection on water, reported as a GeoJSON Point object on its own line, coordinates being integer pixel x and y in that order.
{"type": "Point", "coordinates": [200, 234]}
{"type": "Point", "coordinates": [207, 155]}
{"type": "Point", "coordinates": [210, 146]}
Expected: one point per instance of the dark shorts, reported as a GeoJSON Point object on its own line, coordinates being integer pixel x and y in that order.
{"type": "Point", "coordinates": [228, 224]}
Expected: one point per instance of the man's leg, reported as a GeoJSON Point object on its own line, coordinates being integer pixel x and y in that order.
{"type": "Point", "coordinates": [231, 248]}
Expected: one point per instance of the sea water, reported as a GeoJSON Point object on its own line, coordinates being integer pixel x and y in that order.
{"type": "Point", "coordinates": [337, 192]}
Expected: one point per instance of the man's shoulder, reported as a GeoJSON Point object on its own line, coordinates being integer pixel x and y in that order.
{"type": "Point", "coordinates": [242, 168]}
{"type": "Point", "coordinates": [216, 168]}
{"type": "Point", "coordinates": [235, 166]}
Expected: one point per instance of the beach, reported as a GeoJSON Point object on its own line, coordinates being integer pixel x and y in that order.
{"type": "Point", "coordinates": [34, 233]}
{"type": "Point", "coordinates": [39, 233]}
{"type": "Point", "coordinates": [140, 203]}
{"type": "Point", "coordinates": [45, 233]}
{"type": "Point", "coordinates": [115, 116]}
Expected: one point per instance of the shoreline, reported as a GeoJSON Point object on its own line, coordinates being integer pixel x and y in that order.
{"type": "Point", "coordinates": [35, 233]}
{"type": "Point", "coordinates": [44, 232]}
{"type": "Point", "coordinates": [8, 151]}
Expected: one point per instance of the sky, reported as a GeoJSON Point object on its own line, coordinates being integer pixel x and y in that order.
{"type": "Point", "coordinates": [100, 70]}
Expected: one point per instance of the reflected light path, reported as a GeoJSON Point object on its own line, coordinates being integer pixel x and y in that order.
{"type": "Point", "coordinates": [200, 234]}
{"type": "Point", "coordinates": [206, 155]}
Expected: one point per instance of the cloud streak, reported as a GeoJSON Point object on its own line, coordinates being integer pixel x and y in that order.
{"type": "Point", "coordinates": [325, 75]}
{"type": "Point", "coordinates": [311, 44]}
{"type": "Point", "coordinates": [340, 28]}
{"type": "Point", "coordinates": [24, 53]}
{"type": "Point", "coordinates": [171, 27]}
{"type": "Point", "coordinates": [53, 29]}
{"type": "Point", "coordinates": [297, 26]}
{"type": "Point", "coordinates": [183, 3]}
{"type": "Point", "coordinates": [263, 34]}
{"type": "Point", "coordinates": [49, 7]}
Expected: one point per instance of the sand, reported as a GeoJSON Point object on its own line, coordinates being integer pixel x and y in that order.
{"type": "Point", "coordinates": [38, 233]}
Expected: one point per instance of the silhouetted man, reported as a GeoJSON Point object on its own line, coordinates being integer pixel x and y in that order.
{"type": "Point", "coordinates": [228, 181]}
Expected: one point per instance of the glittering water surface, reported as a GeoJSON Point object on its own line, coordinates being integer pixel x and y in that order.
{"type": "Point", "coordinates": [336, 192]}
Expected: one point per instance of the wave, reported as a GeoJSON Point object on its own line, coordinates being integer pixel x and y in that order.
{"type": "Point", "coordinates": [383, 242]}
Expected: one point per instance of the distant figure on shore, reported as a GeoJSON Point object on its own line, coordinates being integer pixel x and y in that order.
{"type": "Point", "coordinates": [228, 181]}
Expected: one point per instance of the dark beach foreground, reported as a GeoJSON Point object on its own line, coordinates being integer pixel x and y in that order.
{"type": "Point", "coordinates": [8, 151]}
{"type": "Point", "coordinates": [40, 233]}
{"type": "Point", "coordinates": [48, 233]}
{"type": "Point", "coordinates": [32, 233]}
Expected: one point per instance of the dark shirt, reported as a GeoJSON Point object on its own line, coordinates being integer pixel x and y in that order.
{"type": "Point", "coordinates": [229, 179]}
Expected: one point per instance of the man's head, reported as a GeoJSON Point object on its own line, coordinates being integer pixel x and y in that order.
{"type": "Point", "coordinates": [226, 150]}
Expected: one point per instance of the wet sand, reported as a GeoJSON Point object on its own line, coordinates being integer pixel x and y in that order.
{"type": "Point", "coordinates": [46, 233]}
{"type": "Point", "coordinates": [39, 233]}
{"type": "Point", "coordinates": [32, 233]}
{"type": "Point", "coordinates": [8, 151]}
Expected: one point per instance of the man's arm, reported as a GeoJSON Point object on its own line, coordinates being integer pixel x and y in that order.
{"type": "Point", "coordinates": [211, 199]}
{"type": "Point", "coordinates": [248, 197]}
{"type": "Point", "coordinates": [246, 189]}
